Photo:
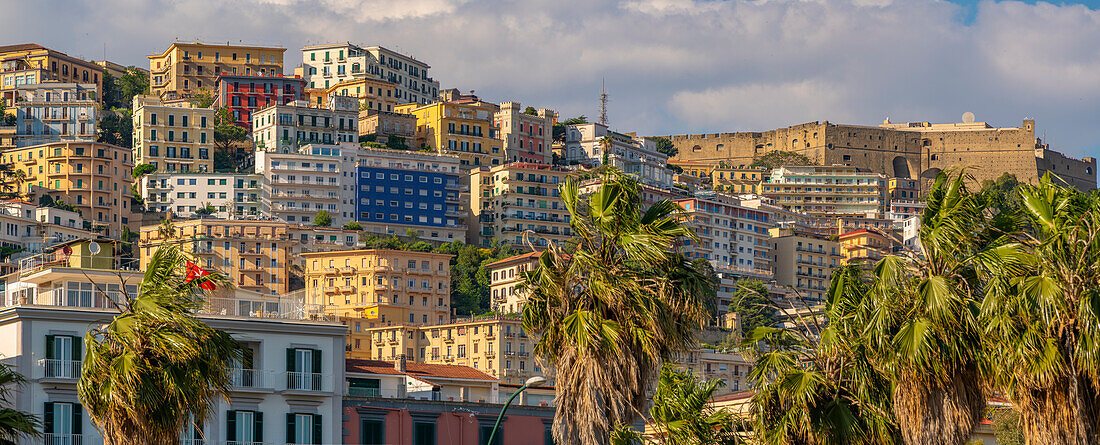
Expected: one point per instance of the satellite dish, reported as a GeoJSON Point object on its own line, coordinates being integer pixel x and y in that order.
{"type": "Point", "coordinates": [968, 118]}
{"type": "Point", "coordinates": [93, 248]}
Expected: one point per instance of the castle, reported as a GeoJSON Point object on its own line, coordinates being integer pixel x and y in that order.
{"type": "Point", "coordinates": [907, 150]}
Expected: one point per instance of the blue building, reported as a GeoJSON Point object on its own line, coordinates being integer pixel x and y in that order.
{"type": "Point", "coordinates": [54, 112]}
{"type": "Point", "coordinates": [398, 190]}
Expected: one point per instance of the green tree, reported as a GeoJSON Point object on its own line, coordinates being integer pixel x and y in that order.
{"type": "Point", "coordinates": [396, 143]}
{"type": "Point", "coordinates": [753, 305]}
{"type": "Point", "coordinates": [156, 366]}
{"type": "Point", "coordinates": [776, 158]}
{"type": "Point", "coordinates": [611, 304]}
{"type": "Point", "coordinates": [1002, 194]}
{"type": "Point", "coordinates": [111, 94]}
{"type": "Point", "coordinates": [665, 146]}
{"type": "Point", "coordinates": [606, 143]}
{"type": "Point", "coordinates": [322, 219]}
{"type": "Point", "coordinates": [14, 424]}
{"type": "Point", "coordinates": [142, 170]}
{"type": "Point", "coordinates": [531, 111]}
{"type": "Point", "coordinates": [558, 131]}
{"type": "Point", "coordinates": [682, 414]}
{"type": "Point", "coordinates": [206, 209]}
{"type": "Point", "coordinates": [230, 138]}
{"type": "Point", "coordinates": [203, 98]}
{"type": "Point", "coordinates": [133, 83]}
{"type": "Point", "coordinates": [710, 298]}
{"type": "Point", "coordinates": [116, 127]}
{"type": "Point", "coordinates": [353, 225]}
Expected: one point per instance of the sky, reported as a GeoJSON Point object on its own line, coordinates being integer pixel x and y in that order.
{"type": "Point", "coordinates": [670, 66]}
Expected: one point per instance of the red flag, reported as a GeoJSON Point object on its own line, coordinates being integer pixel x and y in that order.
{"type": "Point", "coordinates": [194, 271]}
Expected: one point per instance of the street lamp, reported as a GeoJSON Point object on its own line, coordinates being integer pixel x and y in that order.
{"type": "Point", "coordinates": [532, 382]}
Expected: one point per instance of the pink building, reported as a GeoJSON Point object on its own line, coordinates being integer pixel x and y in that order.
{"type": "Point", "coordinates": [527, 137]}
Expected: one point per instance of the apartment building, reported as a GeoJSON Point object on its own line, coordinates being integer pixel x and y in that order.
{"type": "Point", "coordinates": [308, 238]}
{"type": "Point", "coordinates": [527, 137]}
{"type": "Point", "coordinates": [92, 176]}
{"type": "Point", "coordinates": [54, 112]}
{"type": "Point", "coordinates": [509, 202]}
{"type": "Point", "coordinates": [379, 287]}
{"type": "Point", "coordinates": [495, 345]}
{"type": "Point", "coordinates": [253, 254]}
{"type": "Point", "coordinates": [372, 94]}
{"type": "Point", "coordinates": [385, 127]}
{"type": "Point", "coordinates": [286, 128]}
{"type": "Point", "coordinates": [232, 195]}
{"type": "Point", "coordinates": [29, 64]}
{"type": "Point", "coordinates": [828, 190]}
{"type": "Point", "coordinates": [865, 245]}
{"type": "Point", "coordinates": [465, 128]}
{"type": "Point", "coordinates": [299, 184]}
{"type": "Point", "coordinates": [737, 180]}
{"type": "Point", "coordinates": [804, 260]}
{"type": "Point", "coordinates": [638, 156]}
{"type": "Point", "coordinates": [245, 94]}
{"type": "Point", "coordinates": [186, 67]}
{"type": "Point", "coordinates": [294, 368]}
{"type": "Point", "coordinates": [330, 64]}
{"type": "Point", "coordinates": [732, 369]}
{"type": "Point", "coordinates": [504, 277]}
{"type": "Point", "coordinates": [731, 237]}
{"type": "Point", "coordinates": [905, 201]}
{"type": "Point", "coordinates": [173, 137]}
{"type": "Point", "coordinates": [33, 229]}
{"type": "Point", "coordinates": [401, 190]}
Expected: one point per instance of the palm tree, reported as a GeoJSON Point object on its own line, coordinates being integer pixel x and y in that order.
{"type": "Point", "coordinates": [605, 145]}
{"type": "Point", "coordinates": [1044, 318]}
{"type": "Point", "coordinates": [682, 413]}
{"type": "Point", "coordinates": [14, 424]}
{"type": "Point", "coordinates": [19, 176]}
{"type": "Point", "coordinates": [156, 366]}
{"type": "Point", "coordinates": [611, 304]}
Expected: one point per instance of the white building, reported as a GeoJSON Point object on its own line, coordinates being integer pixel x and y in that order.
{"type": "Point", "coordinates": [181, 194]}
{"type": "Point", "coordinates": [54, 111]}
{"type": "Point", "coordinates": [295, 368]}
{"type": "Point", "coordinates": [732, 237]}
{"type": "Point", "coordinates": [630, 153]}
{"type": "Point", "coordinates": [32, 228]}
{"type": "Point", "coordinates": [299, 184]}
{"type": "Point", "coordinates": [329, 64]}
{"type": "Point", "coordinates": [910, 232]}
{"type": "Point", "coordinates": [285, 128]}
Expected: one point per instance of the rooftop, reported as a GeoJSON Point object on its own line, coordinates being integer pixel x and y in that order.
{"type": "Point", "coordinates": [424, 371]}
{"type": "Point", "coordinates": [533, 256]}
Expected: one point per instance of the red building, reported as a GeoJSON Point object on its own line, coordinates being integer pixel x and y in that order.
{"type": "Point", "coordinates": [244, 95]}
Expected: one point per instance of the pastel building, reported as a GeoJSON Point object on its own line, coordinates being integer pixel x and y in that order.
{"type": "Point", "coordinates": [628, 152]}
{"type": "Point", "coordinates": [371, 93]}
{"type": "Point", "coordinates": [173, 137]}
{"type": "Point", "coordinates": [401, 190]}
{"type": "Point", "coordinates": [386, 126]}
{"type": "Point", "coordinates": [330, 64]}
{"type": "Point", "coordinates": [300, 184]}
{"type": "Point", "coordinates": [505, 276]}
{"type": "Point", "coordinates": [285, 128]}
{"type": "Point", "coordinates": [804, 260]}
{"type": "Point", "coordinates": [737, 180]}
{"type": "Point", "coordinates": [29, 64]}
{"type": "Point", "coordinates": [509, 202]}
{"type": "Point", "coordinates": [183, 194]}
{"type": "Point", "coordinates": [465, 128]}
{"type": "Point", "coordinates": [731, 237]}
{"type": "Point", "coordinates": [54, 112]}
{"type": "Point", "coordinates": [186, 67]}
{"type": "Point", "coordinates": [527, 137]}
{"type": "Point", "coordinates": [245, 94]}
{"type": "Point", "coordinates": [828, 190]}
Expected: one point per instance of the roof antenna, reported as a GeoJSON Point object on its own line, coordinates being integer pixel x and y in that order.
{"type": "Point", "coordinates": [603, 102]}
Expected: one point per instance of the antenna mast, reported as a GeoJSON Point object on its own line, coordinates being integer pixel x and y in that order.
{"type": "Point", "coordinates": [603, 102]}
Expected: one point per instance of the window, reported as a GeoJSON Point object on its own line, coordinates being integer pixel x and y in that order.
{"type": "Point", "coordinates": [63, 356]}
{"type": "Point", "coordinates": [244, 426]}
{"type": "Point", "coordinates": [303, 428]}
{"type": "Point", "coordinates": [62, 423]}
{"type": "Point", "coordinates": [485, 429]}
{"type": "Point", "coordinates": [423, 431]}
{"type": "Point", "coordinates": [303, 369]}
{"type": "Point", "coordinates": [372, 430]}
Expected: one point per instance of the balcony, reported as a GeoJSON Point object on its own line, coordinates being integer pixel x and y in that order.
{"type": "Point", "coordinates": [303, 381]}
{"type": "Point", "coordinates": [60, 369]}
{"type": "Point", "coordinates": [365, 392]}
{"type": "Point", "coordinates": [66, 439]}
{"type": "Point", "coordinates": [448, 340]}
{"type": "Point", "coordinates": [246, 378]}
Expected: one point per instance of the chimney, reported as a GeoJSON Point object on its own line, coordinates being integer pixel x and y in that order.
{"type": "Point", "coordinates": [399, 363]}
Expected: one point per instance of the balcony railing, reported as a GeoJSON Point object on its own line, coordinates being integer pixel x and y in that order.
{"type": "Point", "coordinates": [303, 381]}
{"type": "Point", "coordinates": [61, 369]}
{"type": "Point", "coordinates": [246, 378]}
{"type": "Point", "coordinates": [365, 392]}
{"type": "Point", "coordinates": [63, 439]}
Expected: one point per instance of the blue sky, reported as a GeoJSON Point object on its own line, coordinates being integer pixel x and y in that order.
{"type": "Point", "coordinates": [671, 66]}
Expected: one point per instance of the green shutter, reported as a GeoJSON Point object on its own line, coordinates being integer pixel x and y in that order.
{"type": "Point", "coordinates": [231, 425]}
{"type": "Point", "coordinates": [290, 360]}
{"type": "Point", "coordinates": [49, 347]}
{"type": "Point", "coordinates": [290, 428]}
{"type": "Point", "coordinates": [47, 418]}
{"type": "Point", "coordinates": [77, 343]}
{"type": "Point", "coordinates": [258, 427]}
{"type": "Point", "coordinates": [317, 361]}
{"type": "Point", "coordinates": [317, 429]}
{"type": "Point", "coordinates": [78, 419]}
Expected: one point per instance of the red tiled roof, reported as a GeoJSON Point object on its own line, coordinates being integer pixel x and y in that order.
{"type": "Point", "coordinates": [531, 255]}
{"type": "Point", "coordinates": [735, 396]}
{"type": "Point", "coordinates": [423, 371]}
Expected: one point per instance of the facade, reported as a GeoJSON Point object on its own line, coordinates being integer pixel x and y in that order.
{"type": "Point", "coordinates": [511, 201]}
{"type": "Point", "coordinates": [384, 125]}
{"type": "Point", "coordinates": [372, 94]}
{"type": "Point", "coordinates": [832, 190]}
{"type": "Point", "coordinates": [465, 128]}
{"type": "Point", "coordinates": [804, 260]}
{"type": "Point", "coordinates": [504, 276]}
{"type": "Point", "coordinates": [380, 287]}
{"type": "Point", "coordinates": [29, 64]}
{"type": "Point", "coordinates": [92, 176]}
{"type": "Point", "coordinates": [905, 199]}
{"type": "Point", "coordinates": [320, 239]}
{"type": "Point", "coordinates": [300, 184]}
{"type": "Point", "coordinates": [327, 65]}
{"type": "Point", "coordinates": [116, 70]}
{"type": "Point", "coordinates": [186, 67]}
{"type": "Point", "coordinates": [34, 229]}
{"type": "Point", "coordinates": [401, 190]}
{"type": "Point", "coordinates": [865, 245]}
{"type": "Point", "coordinates": [916, 150]}
{"type": "Point", "coordinates": [54, 112]}
{"type": "Point", "coordinates": [737, 180]}
{"type": "Point", "coordinates": [731, 369]}
{"type": "Point", "coordinates": [175, 137]}
{"type": "Point", "coordinates": [497, 346]}
{"type": "Point", "coordinates": [295, 366]}
{"type": "Point", "coordinates": [627, 152]}
{"type": "Point", "coordinates": [233, 195]}
{"type": "Point", "coordinates": [527, 137]}
{"type": "Point", "coordinates": [246, 94]}
{"type": "Point", "coordinates": [731, 237]}
{"type": "Point", "coordinates": [285, 128]}
{"type": "Point", "coordinates": [254, 255]}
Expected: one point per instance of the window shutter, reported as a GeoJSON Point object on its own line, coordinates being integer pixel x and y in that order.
{"type": "Point", "coordinates": [231, 425]}
{"type": "Point", "coordinates": [317, 429]}
{"type": "Point", "coordinates": [77, 344]}
{"type": "Point", "coordinates": [317, 361]}
{"type": "Point", "coordinates": [49, 347]}
{"type": "Point", "coordinates": [290, 427]}
{"type": "Point", "coordinates": [47, 418]}
{"type": "Point", "coordinates": [290, 360]}
{"type": "Point", "coordinates": [258, 427]}
{"type": "Point", "coordinates": [78, 419]}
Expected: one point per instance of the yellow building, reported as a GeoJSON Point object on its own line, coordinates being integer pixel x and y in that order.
{"type": "Point", "coordinates": [174, 138]}
{"type": "Point", "coordinates": [497, 346]}
{"type": "Point", "coordinates": [7, 137]}
{"type": "Point", "coordinates": [864, 244]}
{"type": "Point", "coordinates": [92, 176]}
{"type": "Point", "coordinates": [504, 276]}
{"type": "Point", "coordinates": [28, 63]}
{"type": "Point", "coordinates": [739, 179]}
{"type": "Point", "coordinates": [465, 128]}
{"type": "Point", "coordinates": [252, 254]}
{"type": "Point", "coordinates": [381, 287]}
{"type": "Point", "coordinates": [804, 260]}
{"type": "Point", "coordinates": [186, 67]}
{"type": "Point", "coordinates": [373, 94]}
{"type": "Point", "coordinates": [509, 200]}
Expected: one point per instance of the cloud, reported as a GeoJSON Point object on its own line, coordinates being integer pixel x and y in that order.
{"type": "Point", "coordinates": [671, 66]}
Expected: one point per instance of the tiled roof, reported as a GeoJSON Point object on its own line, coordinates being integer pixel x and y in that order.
{"type": "Point", "coordinates": [424, 371]}
{"type": "Point", "coordinates": [530, 255]}
{"type": "Point", "coordinates": [20, 47]}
